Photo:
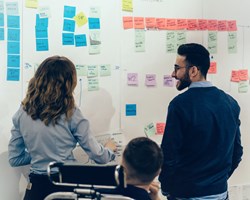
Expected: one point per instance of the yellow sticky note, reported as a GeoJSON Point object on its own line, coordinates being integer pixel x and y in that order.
{"type": "Point", "coordinates": [31, 3]}
{"type": "Point", "coordinates": [80, 19]}
{"type": "Point", "coordinates": [127, 5]}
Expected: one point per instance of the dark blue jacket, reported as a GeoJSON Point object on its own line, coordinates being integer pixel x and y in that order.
{"type": "Point", "coordinates": [201, 143]}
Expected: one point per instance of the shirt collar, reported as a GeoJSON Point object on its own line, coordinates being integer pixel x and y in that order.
{"type": "Point", "coordinates": [200, 84]}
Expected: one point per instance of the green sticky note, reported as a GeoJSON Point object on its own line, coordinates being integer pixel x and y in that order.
{"type": "Point", "coordinates": [149, 129]}
{"type": "Point", "coordinates": [232, 42]}
{"type": "Point", "coordinates": [243, 87]}
{"type": "Point", "coordinates": [81, 70]}
{"type": "Point", "coordinates": [92, 71]}
{"type": "Point", "coordinates": [212, 42]}
{"type": "Point", "coordinates": [171, 42]}
{"type": "Point", "coordinates": [93, 84]}
{"type": "Point", "coordinates": [105, 70]}
{"type": "Point", "coordinates": [139, 41]}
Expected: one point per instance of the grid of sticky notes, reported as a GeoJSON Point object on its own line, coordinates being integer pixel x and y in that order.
{"type": "Point", "coordinates": [241, 77]}
{"type": "Point", "coordinates": [154, 128]}
{"type": "Point", "coordinates": [92, 72]}
{"type": "Point", "coordinates": [13, 39]}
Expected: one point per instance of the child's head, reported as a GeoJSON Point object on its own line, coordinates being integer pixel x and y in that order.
{"type": "Point", "coordinates": [142, 160]}
{"type": "Point", "coordinates": [50, 91]}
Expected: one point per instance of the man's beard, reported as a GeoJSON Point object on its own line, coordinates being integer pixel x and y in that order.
{"type": "Point", "coordinates": [184, 82]}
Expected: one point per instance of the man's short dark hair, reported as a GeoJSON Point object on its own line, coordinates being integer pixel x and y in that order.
{"type": "Point", "coordinates": [197, 55]}
{"type": "Point", "coordinates": [143, 158]}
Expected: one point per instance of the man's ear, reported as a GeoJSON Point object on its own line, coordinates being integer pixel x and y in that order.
{"type": "Point", "coordinates": [194, 72]}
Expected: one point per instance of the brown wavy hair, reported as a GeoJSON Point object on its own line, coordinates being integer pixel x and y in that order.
{"type": "Point", "coordinates": [50, 91]}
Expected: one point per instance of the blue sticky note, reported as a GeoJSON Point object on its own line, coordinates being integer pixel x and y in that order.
{"type": "Point", "coordinates": [41, 32]}
{"type": "Point", "coordinates": [69, 11]}
{"type": "Point", "coordinates": [94, 23]}
{"type": "Point", "coordinates": [69, 25]}
{"type": "Point", "coordinates": [14, 34]}
{"type": "Point", "coordinates": [1, 33]}
{"type": "Point", "coordinates": [68, 39]}
{"type": "Point", "coordinates": [42, 44]}
{"type": "Point", "coordinates": [41, 22]}
{"type": "Point", "coordinates": [1, 19]}
{"type": "Point", "coordinates": [13, 21]}
{"type": "Point", "coordinates": [81, 40]}
{"type": "Point", "coordinates": [13, 74]}
{"type": "Point", "coordinates": [13, 61]}
{"type": "Point", "coordinates": [130, 109]}
{"type": "Point", "coordinates": [13, 48]}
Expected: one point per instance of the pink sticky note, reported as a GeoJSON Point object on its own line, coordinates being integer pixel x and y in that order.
{"type": "Point", "coordinates": [235, 76]}
{"type": "Point", "coordinates": [150, 80]}
{"type": "Point", "coordinates": [213, 68]}
{"type": "Point", "coordinates": [181, 24]}
{"type": "Point", "coordinates": [192, 24]}
{"type": "Point", "coordinates": [202, 24]}
{"type": "Point", "coordinates": [231, 25]}
{"type": "Point", "coordinates": [171, 24]}
{"type": "Point", "coordinates": [127, 22]}
{"type": "Point", "coordinates": [150, 22]}
{"type": "Point", "coordinates": [243, 74]}
{"type": "Point", "coordinates": [139, 23]}
{"type": "Point", "coordinates": [222, 25]}
{"type": "Point", "coordinates": [132, 78]}
{"type": "Point", "coordinates": [161, 23]}
{"type": "Point", "coordinates": [212, 25]}
{"type": "Point", "coordinates": [168, 81]}
{"type": "Point", "coordinates": [160, 127]}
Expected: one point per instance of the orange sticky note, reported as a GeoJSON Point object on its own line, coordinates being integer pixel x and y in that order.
{"type": "Point", "coordinates": [191, 24]}
{"type": "Point", "coordinates": [231, 25]}
{"type": "Point", "coordinates": [181, 24]}
{"type": "Point", "coordinates": [171, 24]}
{"type": "Point", "coordinates": [160, 127]}
{"type": "Point", "coordinates": [150, 22]}
{"type": "Point", "coordinates": [243, 74]}
{"type": "Point", "coordinates": [139, 23]}
{"type": "Point", "coordinates": [161, 23]}
{"type": "Point", "coordinates": [235, 76]}
{"type": "Point", "coordinates": [202, 24]}
{"type": "Point", "coordinates": [127, 22]}
{"type": "Point", "coordinates": [222, 25]}
{"type": "Point", "coordinates": [212, 25]}
{"type": "Point", "coordinates": [213, 68]}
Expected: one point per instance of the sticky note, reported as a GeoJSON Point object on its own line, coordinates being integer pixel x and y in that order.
{"type": "Point", "coordinates": [127, 5]}
{"type": "Point", "coordinates": [243, 87]}
{"type": "Point", "coordinates": [1, 19]}
{"type": "Point", "coordinates": [130, 109]}
{"type": "Point", "coordinates": [235, 76]}
{"type": "Point", "coordinates": [168, 81]}
{"type": "Point", "coordinates": [13, 61]}
{"type": "Point", "coordinates": [69, 25]}
{"type": "Point", "coordinates": [93, 84]}
{"type": "Point", "coordinates": [160, 23]}
{"type": "Point", "coordinates": [139, 40]}
{"type": "Point", "coordinates": [68, 39]}
{"type": "Point", "coordinates": [69, 11]}
{"type": "Point", "coordinates": [222, 25]}
{"type": "Point", "coordinates": [13, 21]}
{"type": "Point", "coordinates": [132, 79]}
{"type": "Point", "coordinates": [231, 25]}
{"type": "Point", "coordinates": [202, 24]}
{"type": "Point", "coordinates": [160, 127]}
{"type": "Point", "coordinates": [150, 22]}
{"type": "Point", "coordinates": [80, 40]}
{"type": "Point", "coordinates": [139, 23]}
{"type": "Point", "coordinates": [92, 71]}
{"type": "Point", "coordinates": [94, 23]}
{"type": "Point", "coordinates": [243, 74]}
{"type": "Point", "coordinates": [14, 34]}
{"type": "Point", "coordinates": [12, 8]}
{"type": "Point", "coordinates": [41, 22]}
{"type": "Point", "coordinates": [128, 22]}
{"type": "Point", "coordinates": [232, 42]}
{"type": "Point", "coordinates": [150, 80]}
{"type": "Point", "coordinates": [192, 24]}
{"type": "Point", "coordinates": [94, 49]}
{"type": "Point", "coordinates": [213, 68]}
{"type": "Point", "coordinates": [171, 24]}
{"type": "Point", "coordinates": [13, 47]}
{"type": "Point", "coordinates": [212, 25]}
{"type": "Point", "coordinates": [95, 12]}
{"type": "Point", "coordinates": [41, 32]}
{"type": "Point", "coordinates": [44, 12]}
{"type": "Point", "coordinates": [80, 19]}
{"type": "Point", "coordinates": [42, 44]}
{"type": "Point", "coordinates": [1, 33]}
{"type": "Point", "coordinates": [149, 130]}
{"type": "Point", "coordinates": [105, 70]}
{"type": "Point", "coordinates": [31, 3]}
{"type": "Point", "coordinates": [181, 24]}
{"type": "Point", "coordinates": [13, 74]}
{"type": "Point", "coordinates": [81, 70]}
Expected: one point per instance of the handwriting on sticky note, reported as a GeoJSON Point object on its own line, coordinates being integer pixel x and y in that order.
{"type": "Point", "coordinates": [213, 68]}
{"type": "Point", "coordinates": [132, 79]}
{"type": "Point", "coordinates": [150, 80]}
{"type": "Point", "coordinates": [235, 76]}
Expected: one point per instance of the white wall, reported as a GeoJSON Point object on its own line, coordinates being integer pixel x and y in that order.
{"type": "Point", "coordinates": [106, 108]}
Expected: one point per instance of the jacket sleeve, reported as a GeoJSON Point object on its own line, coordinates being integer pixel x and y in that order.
{"type": "Point", "coordinates": [237, 151]}
{"type": "Point", "coordinates": [171, 144]}
{"type": "Point", "coordinates": [18, 155]}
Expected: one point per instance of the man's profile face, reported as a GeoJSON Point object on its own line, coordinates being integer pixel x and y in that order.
{"type": "Point", "coordinates": [181, 73]}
